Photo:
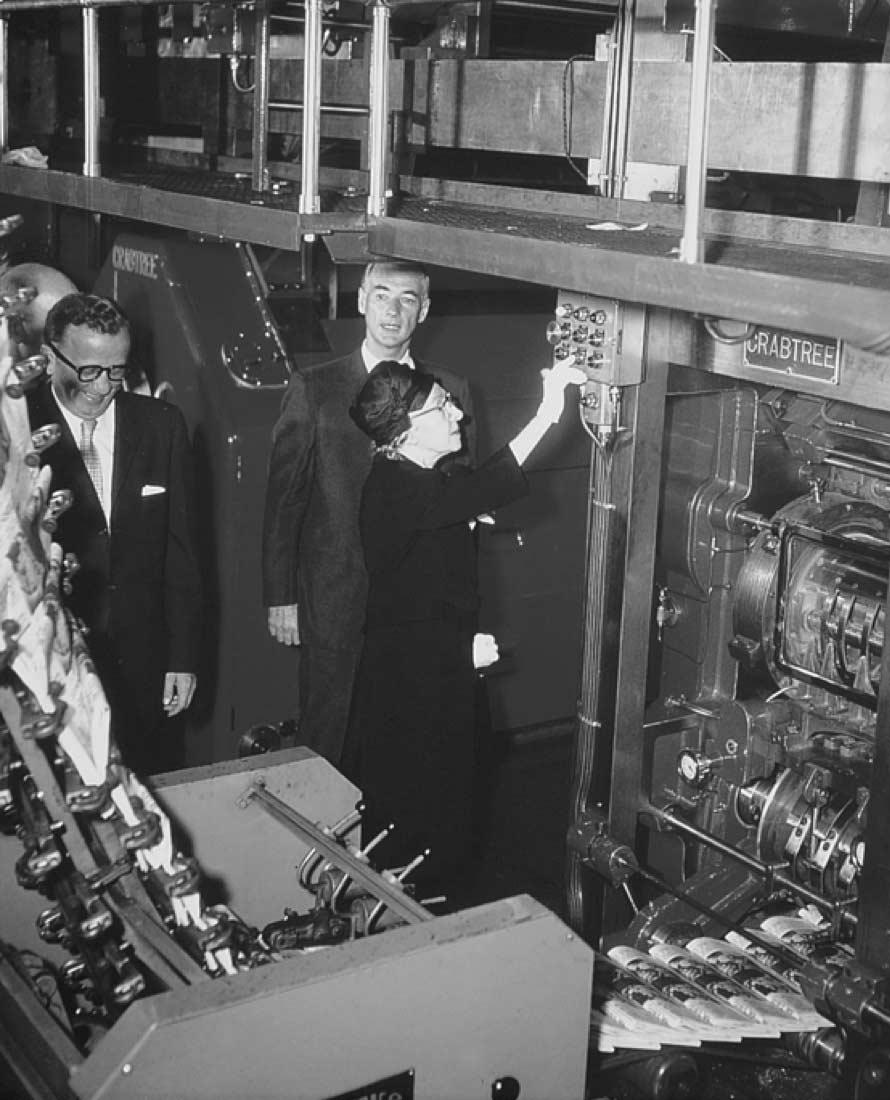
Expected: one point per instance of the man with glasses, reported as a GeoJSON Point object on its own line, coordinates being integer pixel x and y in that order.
{"type": "Point", "coordinates": [126, 458]}
{"type": "Point", "coordinates": [314, 581]}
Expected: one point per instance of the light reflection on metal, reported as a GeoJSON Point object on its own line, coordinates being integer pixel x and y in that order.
{"type": "Point", "coordinates": [4, 87]}
{"type": "Point", "coordinates": [260, 137]}
{"type": "Point", "coordinates": [309, 197]}
{"type": "Point", "coordinates": [617, 120]}
{"type": "Point", "coordinates": [379, 104]}
{"type": "Point", "coordinates": [691, 247]}
{"type": "Point", "coordinates": [90, 20]}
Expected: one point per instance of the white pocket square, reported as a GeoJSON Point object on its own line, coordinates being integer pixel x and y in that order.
{"type": "Point", "coordinates": [153, 490]}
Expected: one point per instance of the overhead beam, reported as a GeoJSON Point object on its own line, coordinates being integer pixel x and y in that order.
{"type": "Point", "coordinates": [842, 296]}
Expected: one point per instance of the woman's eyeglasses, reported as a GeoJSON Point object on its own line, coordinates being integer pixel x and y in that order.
{"type": "Point", "coordinates": [446, 402]}
{"type": "Point", "coordinates": [91, 371]}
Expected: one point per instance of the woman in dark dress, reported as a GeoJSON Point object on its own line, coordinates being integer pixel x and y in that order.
{"type": "Point", "coordinates": [411, 740]}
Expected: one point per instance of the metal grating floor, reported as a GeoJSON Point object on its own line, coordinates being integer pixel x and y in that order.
{"type": "Point", "coordinates": [644, 240]}
{"type": "Point", "coordinates": [236, 187]}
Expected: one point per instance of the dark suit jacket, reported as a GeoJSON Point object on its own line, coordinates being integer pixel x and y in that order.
{"type": "Point", "coordinates": [138, 589]}
{"type": "Point", "coordinates": [312, 553]}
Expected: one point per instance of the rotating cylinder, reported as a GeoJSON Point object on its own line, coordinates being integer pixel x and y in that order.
{"type": "Point", "coordinates": [811, 599]}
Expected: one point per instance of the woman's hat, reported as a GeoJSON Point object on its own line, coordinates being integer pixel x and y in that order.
{"type": "Point", "coordinates": [391, 391]}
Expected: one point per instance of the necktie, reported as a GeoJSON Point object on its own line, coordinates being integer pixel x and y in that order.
{"type": "Point", "coordinates": [90, 454]}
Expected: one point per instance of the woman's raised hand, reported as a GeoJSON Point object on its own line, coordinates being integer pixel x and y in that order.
{"type": "Point", "coordinates": [556, 379]}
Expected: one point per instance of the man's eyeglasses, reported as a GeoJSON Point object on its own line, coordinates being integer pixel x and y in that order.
{"type": "Point", "coordinates": [445, 402]}
{"type": "Point", "coordinates": [91, 371]}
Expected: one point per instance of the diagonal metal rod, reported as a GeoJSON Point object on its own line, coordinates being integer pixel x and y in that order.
{"type": "Point", "coordinates": [396, 899]}
{"type": "Point", "coordinates": [785, 882]}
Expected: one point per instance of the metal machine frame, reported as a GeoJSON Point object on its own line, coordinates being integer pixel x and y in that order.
{"type": "Point", "coordinates": [693, 733]}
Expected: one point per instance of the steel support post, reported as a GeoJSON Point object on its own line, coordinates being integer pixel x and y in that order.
{"type": "Point", "coordinates": [617, 121]}
{"type": "Point", "coordinates": [4, 85]}
{"type": "Point", "coordinates": [260, 138]}
{"type": "Point", "coordinates": [691, 245]}
{"type": "Point", "coordinates": [379, 104]}
{"type": "Point", "coordinates": [91, 165]}
{"type": "Point", "coordinates": [622, 524]}
{"type": "Point", "coordinates": [310, 202]}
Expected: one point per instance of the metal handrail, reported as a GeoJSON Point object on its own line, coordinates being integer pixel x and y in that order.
{"type": "Point", "coordinates": [311, 106]}
{"type": "Point", "coordinates": [36, 5]}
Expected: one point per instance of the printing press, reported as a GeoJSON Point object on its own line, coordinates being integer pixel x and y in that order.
{"type": "Point", "coordinates": [691, 201]}
{"type": "Point", "coordinates": [731, 750]}
{"type": "Point", "coordinates": [223, 931]}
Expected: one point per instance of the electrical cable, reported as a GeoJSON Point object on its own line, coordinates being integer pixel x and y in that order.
{"type": "Point", "coordinates": [567, 113]}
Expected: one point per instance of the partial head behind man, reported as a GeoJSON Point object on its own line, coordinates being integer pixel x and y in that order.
{"type": "Point", "coordinates": [87, 343]}
{"type": "Point", "coordinates": [49, 286]}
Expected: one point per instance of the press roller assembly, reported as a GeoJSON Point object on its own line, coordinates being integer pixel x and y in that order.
{"type": "Point", "coordinates": [727, 781]}
{"type": "Point", "coordinates": [224, 931]}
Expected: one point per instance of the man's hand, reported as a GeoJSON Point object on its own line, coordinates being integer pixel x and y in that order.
{"type": "Point", "coordinates": [179, 687]}
{"type": "Point", "coordinates": [284, 624]}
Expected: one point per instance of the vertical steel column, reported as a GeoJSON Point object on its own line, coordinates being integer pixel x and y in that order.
{"type": "Point", "coordinates": [623, 511]}
{"type": "Point", "coordinates": [379, 110]}
{"type": "Point", "coordinates": [691, 246]}
{"type": "Point", "coordinates": [260, 139]}
{"type": "Point", "coordinates": [91, 165]}
{"type": "Point", "coordinates": [4, 84]}
{"type": "Point", "coordinates": [617, 121]}
{"type": "Point", "coordinates": [310, 202]}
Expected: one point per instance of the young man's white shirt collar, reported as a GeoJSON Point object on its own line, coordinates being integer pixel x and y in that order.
{"type": "Point", "coordinates": [103, 441]}
{"type": "Point", "coordinates": [370, 360]}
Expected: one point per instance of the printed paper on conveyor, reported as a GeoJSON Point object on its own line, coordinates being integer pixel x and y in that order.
{"type": "Point", "coordinates": [607, 1036]}
{"type": "Point", "coordinates": [18, 476]}
{"type": "Point", "coordinates": [85, 737]}
{"type": "Point", "coordinates": [743, 968]}
{"type": "Point", "coordinates": [162, 854]}
{"type": "Point", "coordinates": [758, 945]}
{"type": "Point", "coordinates": [804, 936]}
{"type": "Point", "coordinates": [715, 1014]}
{"type": "Point", "coordinates": [632, 1026]}
{"type": "Point", "coordinates": [26, 547]}
{"type": "Point", "coordinates": [31, 662]}
{"type": "Point", "coordinates": [770, 1021]}
{"type": "Point", "coordinates": [610, 979]}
